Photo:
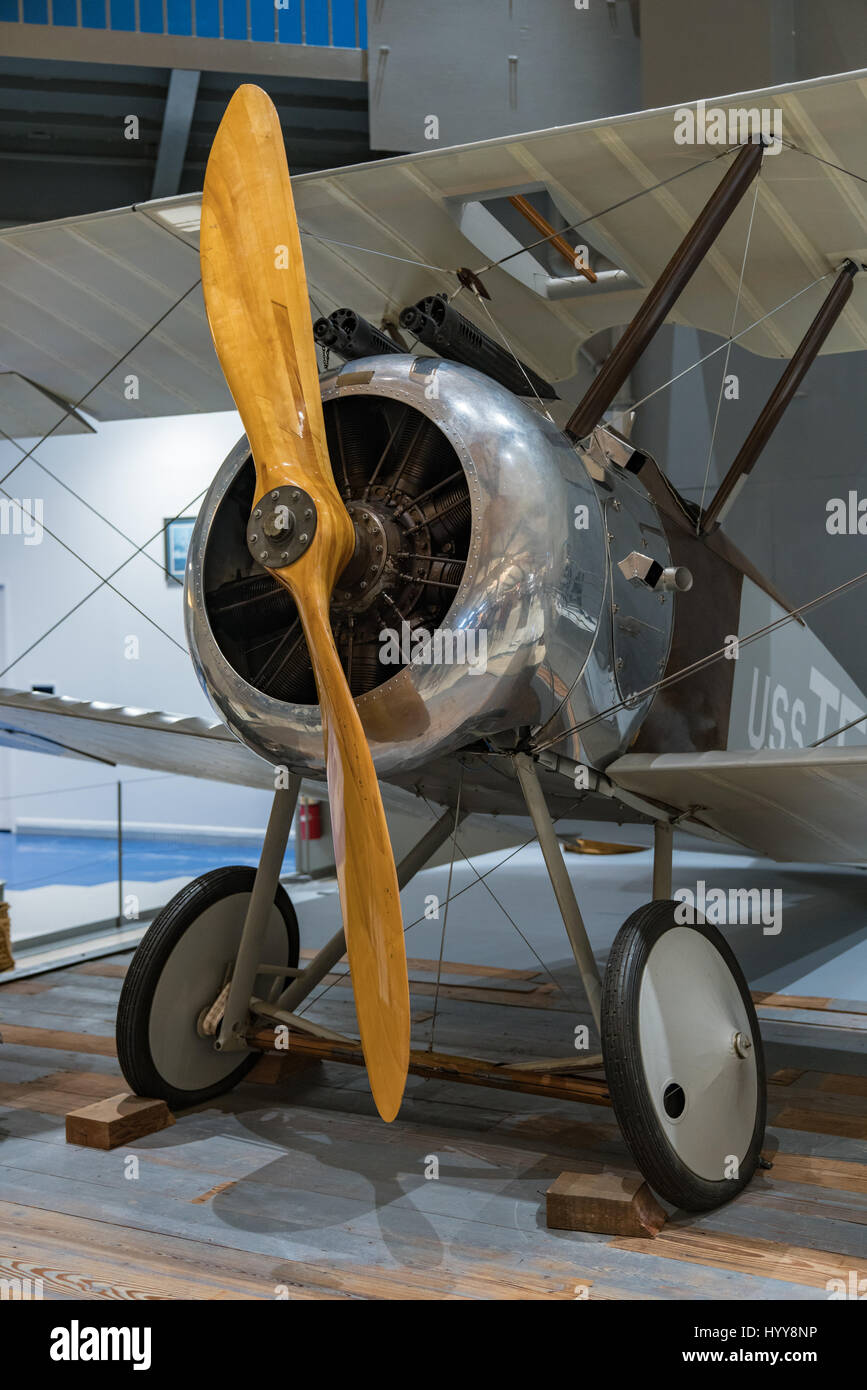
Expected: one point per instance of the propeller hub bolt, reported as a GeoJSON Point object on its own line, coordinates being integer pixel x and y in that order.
{"type": "Point", "coordinates": [272, 532]}
{"type": "Point", "coordinates": [280, 523]}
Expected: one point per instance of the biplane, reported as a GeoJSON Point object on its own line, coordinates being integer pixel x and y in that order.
{"type": "Point", "coordinates": [421, 567]}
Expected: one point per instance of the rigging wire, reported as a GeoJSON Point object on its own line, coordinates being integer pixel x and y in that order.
{"type": "Point", "coordinates": [104, 580]}
{"type": "Point", "coordinates": [708, 660]}
{"type": "Point", "coordinates": [84, 502]}
{"type": "Point", "coordinates": [614, 207]}
{"type": "Point", "coordinates": [564, 815]}
{"type": "Point", "coordinates": [369, 251]}
{"type": "Point", "coordinates": [721, 347]}
{"type": "Point", "coordinates": [830, 163]}
{"type": "Point", "coordinates": [70, 409]}
{"type": "Point", "coordinates": [95, 590]}
{"type": "Point", "coordinates": [446, 909]}
{"type": "Point", "coordinates": [517, 360]}
{"type": "Point", "coordinates": [481, 879]}
{"type": "Point", "coordinates": [853, 723]}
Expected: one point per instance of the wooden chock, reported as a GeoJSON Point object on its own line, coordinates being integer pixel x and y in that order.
{"type": "Point", "coordinates": [613, 1204]}
{"type": "Point", "coordinates": [119, 1120]}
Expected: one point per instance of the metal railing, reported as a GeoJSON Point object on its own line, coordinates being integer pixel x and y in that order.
{"type": "Point", "coordinates": [314, 23]}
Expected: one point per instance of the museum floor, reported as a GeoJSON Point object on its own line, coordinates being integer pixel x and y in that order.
{"type": "Point", "coordinates": [300, 1187]}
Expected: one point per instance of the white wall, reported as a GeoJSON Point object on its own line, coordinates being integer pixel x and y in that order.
{"type": "Point", "coordinates": [137, 473]}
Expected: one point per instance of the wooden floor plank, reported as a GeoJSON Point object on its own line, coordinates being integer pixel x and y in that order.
{"type": "Point", "coordinates": [745, 1255]}
{"type": "Point", "coordinates": [101, 1045]}
{"type": "Point", "coordinates": [822, 1122]}
{"type": "Point", "coordinates": [831, 1173]}
{"type": "Point", "coordinates": [304, 1188]}
{"type": "Point", "coordinates": [58, 1092]}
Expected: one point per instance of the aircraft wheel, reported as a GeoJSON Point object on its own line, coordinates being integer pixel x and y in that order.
{"type": "Point", "coordinates": [683, 1058]}
{"type": "Point", "coordinates": [177, 971]}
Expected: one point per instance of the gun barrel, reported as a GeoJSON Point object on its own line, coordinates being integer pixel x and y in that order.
{"type": "Point", "coordinates": [438, 325]}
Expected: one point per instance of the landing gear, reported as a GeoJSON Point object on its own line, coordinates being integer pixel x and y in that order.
{"type": "Point", "coordinates": [185, 957]}
{"type": "Point", "coordinates": [683, 1058]}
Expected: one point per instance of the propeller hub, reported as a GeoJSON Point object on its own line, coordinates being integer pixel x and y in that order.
{"type": "Point", "coordinates": [281, 527]}
{"type": "Point", "coordinates": [376, 537]}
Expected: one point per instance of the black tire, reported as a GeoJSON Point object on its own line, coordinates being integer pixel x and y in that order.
{"type": "Point", "coordinates": [145, 1074]}
{"type": "Point", "coordinates": [628, 1082]}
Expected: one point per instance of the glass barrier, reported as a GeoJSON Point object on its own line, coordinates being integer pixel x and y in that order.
{"type": "Point", "coordinates": [105, 857]}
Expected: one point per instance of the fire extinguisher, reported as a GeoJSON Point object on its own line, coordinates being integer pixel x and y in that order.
{"type": "Point", "coordinates": [310, 821]}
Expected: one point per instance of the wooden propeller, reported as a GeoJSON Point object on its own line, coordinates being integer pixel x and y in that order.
{"type": "Point", "coordinates": [259, 314]}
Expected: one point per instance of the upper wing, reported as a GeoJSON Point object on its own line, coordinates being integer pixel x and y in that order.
{"type": "Point", "coordinates": [78, 293]}
{"type": "Point", "coordinates": [791, 804]}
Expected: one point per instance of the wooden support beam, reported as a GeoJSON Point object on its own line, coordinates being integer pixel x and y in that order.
{"type": "Point", "coordinates": [442, 1066]}
{"type": "Point", "coordinates": [275, 1068]}
{"type": "Point", "coordinates": [526, 209]}
{"type": "Point", "coordinates": [614, 1204]}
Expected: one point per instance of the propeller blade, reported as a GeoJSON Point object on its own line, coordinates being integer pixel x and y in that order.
{"type": "Point", "coordinates": [259, 313]}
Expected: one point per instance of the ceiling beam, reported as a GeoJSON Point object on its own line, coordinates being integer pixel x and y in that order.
{"type": "Point", "coordinates": [163, 50]}
{"type": "Point", "coordinates": [175, 134]}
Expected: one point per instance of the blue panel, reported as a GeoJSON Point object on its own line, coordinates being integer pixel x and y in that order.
{"type": "Point", "coordinates": [262, 21]}
{"type": "Point", "coordinates": [35, 12]}
{"type": "Point", "coordinates": [316, 22]}
{"type": "Point", "coordinates": [93, 14]}
{"type": "Point", "coordinates": [180, 16]}
{"type": "Point", "coordinates": [150, 14]}
{"type": "Point", "coordinates": [234, 19]}
{"type": "Point", "coordinates": [343, 23]}
{"type": "Point", "coordinates": [123, 15]}
{"type": "Point", "coordinates": [62, 13]}
{"type": "Point", "coordinates": [289, 22]}
{"type": "Point", "coordinates": [32, 861]}
{"type": "Point", "coordinates": [362, 23]}
{"type": "Point", "coordinates": [9, 11]}
{"type": "Point", "coordinates": [208, 19]}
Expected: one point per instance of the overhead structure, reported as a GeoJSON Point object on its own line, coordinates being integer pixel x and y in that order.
{"type": "Point", "coordinates": [78, 293]}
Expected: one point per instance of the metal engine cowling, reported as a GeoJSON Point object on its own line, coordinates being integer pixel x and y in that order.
{"type": "Point", "coordinates": [463, 499]}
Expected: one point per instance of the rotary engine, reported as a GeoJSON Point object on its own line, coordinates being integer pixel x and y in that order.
{"type": "Point", "coordinates": [477, 601]}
